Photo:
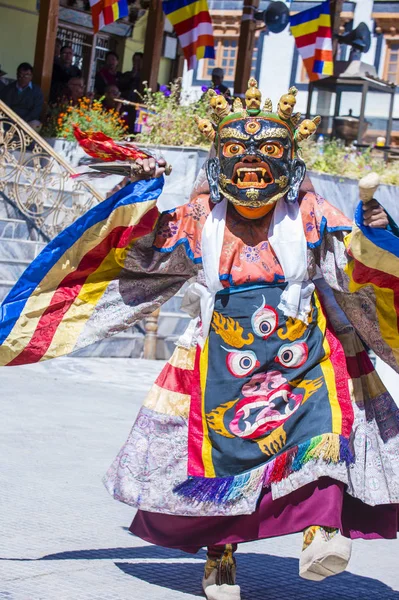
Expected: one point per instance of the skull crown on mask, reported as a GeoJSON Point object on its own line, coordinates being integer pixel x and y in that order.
{"type": "Point", "coordinates": [257, 159]}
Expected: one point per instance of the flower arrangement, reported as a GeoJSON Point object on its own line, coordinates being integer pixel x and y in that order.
{"type": "Point", "coordinates": [336, 159]}
{"type": "Point", "coordinates": [171, 118]}
{"type": "Point", "coordinates": [89, 115]}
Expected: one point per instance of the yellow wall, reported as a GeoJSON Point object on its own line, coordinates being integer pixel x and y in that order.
{"type": "Point", "coordinates": [136, 44]}
{"type": "Point", "coordinates": [164, 71]}
{"type": "Point", "coordinates": [17, 34]}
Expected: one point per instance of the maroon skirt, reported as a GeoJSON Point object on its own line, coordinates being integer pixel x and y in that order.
{"type": "Point", "coordinates": [323, 502]}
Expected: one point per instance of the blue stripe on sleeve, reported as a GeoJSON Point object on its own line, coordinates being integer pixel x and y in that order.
{"type": "Point", "coordinates": [383, 238]}
{"type": "Point", "coordinates": [13, 304]}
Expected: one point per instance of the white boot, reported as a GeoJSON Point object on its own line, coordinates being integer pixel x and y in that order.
{"type": "Point", "coordinates": [223, 592]}
{"type": "Point", "coordinates": [327, 554]}
{"type": "Point", "coordinates": [217, 572]}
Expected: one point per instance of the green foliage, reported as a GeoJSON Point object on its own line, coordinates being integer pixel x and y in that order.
{"type": "Point", "coordinates": [89, 115]}
{"type": "Point", "coordinates": [172, 119]}
{"type": "Point", "coordinates": [342, 161]}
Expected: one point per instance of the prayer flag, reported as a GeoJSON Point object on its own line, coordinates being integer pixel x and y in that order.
{"type": "Point", "coordinates": [141, 118]}
{"type": "Point", "coordinates": [193, 26]}
{"type": "Point", "coordinates": [312, 32]}
{"type": "Point", "coordinates": [105, 12]}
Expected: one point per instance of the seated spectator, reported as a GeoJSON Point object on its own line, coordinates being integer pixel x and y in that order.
{"type": "Point", "coordinates": [63, 71]}
{"type": "Point", "coordinates": [110, 93]}
{"type": "Point", "coordinates": [131, 80]}
{"type": "Point", "coordinates": [108, 74]}
{"type": "Point", "coordinates": [109, 102]}
{"type": "Point", "coordinates": [24, 97]}
{"type": "Point", "coordinates": [131, 86]}
{"type": "Point", "coordinates": [75, 90]}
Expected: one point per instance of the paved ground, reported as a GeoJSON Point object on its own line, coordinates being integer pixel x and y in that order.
{"type": "Point", "coordinates": [62, 536]}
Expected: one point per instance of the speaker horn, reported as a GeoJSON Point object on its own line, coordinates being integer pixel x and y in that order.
{"type": "Point", "coordinates": [276, 16]}
{"type": "Point", "coordinates": [359, 38]}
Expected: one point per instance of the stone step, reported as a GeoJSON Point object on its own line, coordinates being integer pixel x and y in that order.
{"type": "Point", "coordinates": [11, 269]}
{"type": "Point", "coordinates": [20, 249]}
{"type": "Point", "coordinates": [5, 287]}
{"type": "Point", "coordinates": [13, 228]}
{"type": "Point", "coordinates": [7, 211]}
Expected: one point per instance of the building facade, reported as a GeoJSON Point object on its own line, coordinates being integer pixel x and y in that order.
{"type": "Point", "coordinates": [18, 30]}
{"type": "Point", "coordinates": [277, 65]}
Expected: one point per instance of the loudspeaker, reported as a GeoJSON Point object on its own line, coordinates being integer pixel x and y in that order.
{"type": "Point", "coordinates": [276, 17]}
{"type": "Point", "coordinates": [359, 38]}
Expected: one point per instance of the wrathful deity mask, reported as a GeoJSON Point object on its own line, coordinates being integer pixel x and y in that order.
{"type": "Point", "coordinates": [257, 158]}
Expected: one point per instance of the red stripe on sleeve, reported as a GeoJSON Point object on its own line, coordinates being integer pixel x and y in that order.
{"type": "Point", "coordinates": [365, 275]}
{"type": "Point", "coordinates": [70, 287]}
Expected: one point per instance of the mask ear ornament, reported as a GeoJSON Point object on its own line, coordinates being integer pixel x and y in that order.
{"type": "Point", "coordinates": [298, 172]}
{"type": "Point", "coordinates": [212, 169]}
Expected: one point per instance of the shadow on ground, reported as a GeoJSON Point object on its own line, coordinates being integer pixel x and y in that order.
{"type": "Point", "coordinates": [261, 576]}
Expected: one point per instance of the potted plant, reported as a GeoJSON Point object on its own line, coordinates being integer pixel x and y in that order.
{"type": "Point", "coordinates": [90, 116]}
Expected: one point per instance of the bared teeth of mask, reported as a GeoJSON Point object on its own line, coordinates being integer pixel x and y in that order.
{"type": "Point", "coordinates": [251, 177]}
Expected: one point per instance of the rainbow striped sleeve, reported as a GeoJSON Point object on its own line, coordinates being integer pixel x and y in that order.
{"type": "Point", "coordinates": [51, 306]}
{"type": "Point", "coordinates": [375, 264]}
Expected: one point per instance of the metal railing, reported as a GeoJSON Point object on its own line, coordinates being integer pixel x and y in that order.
{"type": "Point", "coordinates": [37, 179]}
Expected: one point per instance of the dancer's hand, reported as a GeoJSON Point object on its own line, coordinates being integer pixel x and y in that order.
{"type": "Point", "coordinates": [374, 215]}
{"type": "Point", "coordinates": [150, 167]}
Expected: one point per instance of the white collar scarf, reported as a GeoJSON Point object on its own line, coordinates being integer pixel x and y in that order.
{"type": "Point", "coordinates": [287, 239]}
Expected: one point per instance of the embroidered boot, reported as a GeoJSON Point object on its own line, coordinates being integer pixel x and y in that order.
{"type": "Point", "coordinates": [325, 552]}
{"type": "Point", "coordinates": [220, 574]}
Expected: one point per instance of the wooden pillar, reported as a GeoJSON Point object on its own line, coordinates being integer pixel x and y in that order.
{"type": "Point", "coordinates": [45, 45]}
{"type": "Point", "coordinates": [335, 11]}
{"type": "Point", "coordinates": [246, 45]}
{"type": "Point", "coordinates": [365, 89]}
{"type": "Point", "coordinates": [150, 339]}
{"type": "Point", "coordinates": [153, 44]}
{"type": "Point", "coordinates": [389, 122]}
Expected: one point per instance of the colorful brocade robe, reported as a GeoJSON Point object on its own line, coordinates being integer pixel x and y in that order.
{"type": "Point", "coordinates": [268, 401]}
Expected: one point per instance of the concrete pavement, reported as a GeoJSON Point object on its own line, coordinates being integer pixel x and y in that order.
{"type": "Point", "coordinates": [62, 536]}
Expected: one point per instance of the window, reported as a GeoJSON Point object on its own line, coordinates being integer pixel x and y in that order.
{"type": "Point", "coordinates": [391, 71]}
{"type": "Point", "coordinates": [226, 57]}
